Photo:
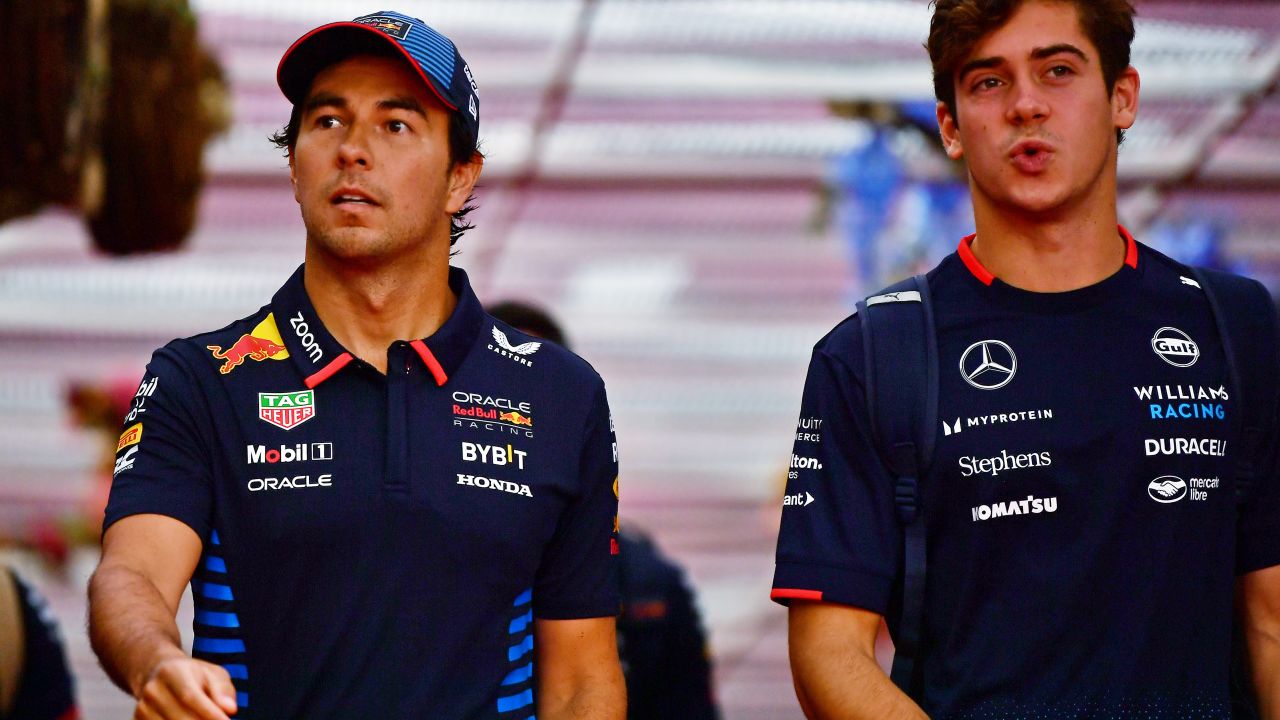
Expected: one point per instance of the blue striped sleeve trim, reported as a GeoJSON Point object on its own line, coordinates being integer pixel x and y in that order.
{"type": "Point", "coordinates": [515, 702]}
{"type": "Point", "coordinates": [523, 598]}
{"type": "Point", "coordinates": [242, 700]}
{"type": "Point", "coordinates": [218, 645]}
{"type": "Point", "coordinates": [237, 672]}
{"type": "Point", "coordinates": [515, 652]}
{"type": "Point", "coordinates": [214, 538]}
{"type": "Point", "coordinates": [217, 619]}
{"type": "Point", "coordinates": [215, 564]}
{"type": "Point", "coordinates": [519, 675]}
{"type": "Point", "coordinates": [518, 625]}
{"type": "Point", "coordinates": [214, 591]}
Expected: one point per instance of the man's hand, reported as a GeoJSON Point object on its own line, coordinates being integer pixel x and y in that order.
{"type": "Point", "coordinates": [182, 687]}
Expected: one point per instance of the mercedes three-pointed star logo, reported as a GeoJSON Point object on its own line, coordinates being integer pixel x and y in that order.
{"type": "Point", "coordinates": [991, 368]}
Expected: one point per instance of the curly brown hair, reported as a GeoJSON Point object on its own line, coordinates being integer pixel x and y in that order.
{"type": "Point", "coordinates": [958, 25]}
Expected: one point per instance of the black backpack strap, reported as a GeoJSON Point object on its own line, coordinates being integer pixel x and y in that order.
{"type": "Point", "coordinates": [901, 351]}
{"type": "Point", "coordinates": [1244, 313]}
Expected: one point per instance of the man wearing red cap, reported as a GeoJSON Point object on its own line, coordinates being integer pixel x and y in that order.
{"type": "Point", "coordinates": [412, 515]}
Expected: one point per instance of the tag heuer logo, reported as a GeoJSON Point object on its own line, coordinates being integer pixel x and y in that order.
{"type": "Point", "coordinates": [287, 410]}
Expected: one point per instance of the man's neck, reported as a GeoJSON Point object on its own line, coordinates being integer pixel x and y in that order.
{"type": "Point", "coordinates": [367, 308]}
{"type": "Point", "coordinates": [1053, 256]}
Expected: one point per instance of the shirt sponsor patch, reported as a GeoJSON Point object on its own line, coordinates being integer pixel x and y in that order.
{"type": "Point", "coordinates": [1032, 505]}
{"type": "Point", "coordinates": [504, 485]}
{"type": "Point", "coordinates": [287, 410]}
{"type": "Point", "coordinates": [132, 435]}
{"type": "Point", "coordinates": [1185, 446]}
{"type": "Point", "coordinates": [263, 343]}
{"type": "Point", "coordinates": [518, 353]}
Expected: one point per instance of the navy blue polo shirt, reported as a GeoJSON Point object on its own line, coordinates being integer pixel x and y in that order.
{"type": "Point", "coordinates": [378, 545]}
{"type": "Point", "coordinates": [1082, 521]}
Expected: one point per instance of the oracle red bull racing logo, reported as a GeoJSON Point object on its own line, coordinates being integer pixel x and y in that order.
{"type": "Point", "coordinates": [262, 343]}
{"type": "Point", "coordinates": [486, 412]}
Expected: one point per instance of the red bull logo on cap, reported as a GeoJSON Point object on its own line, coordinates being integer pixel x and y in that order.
{"type": "Point", "coordinates": [394, 27]}
{"type": "Point", "coordinates": [262, 343]}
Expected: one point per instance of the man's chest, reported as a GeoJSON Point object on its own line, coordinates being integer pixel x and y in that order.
{"type": "Point", "coordinates": [326, 470]}
{"type": "Point", "coordinates": [1085, 419]}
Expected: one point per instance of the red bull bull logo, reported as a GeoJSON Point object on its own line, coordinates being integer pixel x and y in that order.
{"type": "Point", "coordinates": [515, 418]}
{"type": "Point", "coordinates": [248, 346]}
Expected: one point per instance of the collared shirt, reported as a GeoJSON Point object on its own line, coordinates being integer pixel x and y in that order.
{"type": "Point", "coordinates": [1083, 529]}
{"type": "Point", "coordinates": [378, 545]}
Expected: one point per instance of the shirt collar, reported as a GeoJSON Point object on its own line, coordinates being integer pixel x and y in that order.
{"type": "Point", "coordinates": [971, 261]}
{"type": "Point", "coordinates": [318, 356]}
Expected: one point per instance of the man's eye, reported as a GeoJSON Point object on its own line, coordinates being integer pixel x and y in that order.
{"type": "Point", "coordinates": [987, 83]}
{"type": "Point", "coordinates": [397, 126]}
{"type": "Point", "coordinates": [327, 121]}
{"type": "Point", "coordinates": [1060, 71]}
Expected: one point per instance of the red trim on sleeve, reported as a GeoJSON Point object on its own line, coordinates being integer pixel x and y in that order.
{"type": "Point", "coordinates": [790, 594]}
{"type": "Point", "coordinates": [432, 364]}
{"type": "Point", "coordinates": [328, 370]}
{"type": "Point", "coordinates": [971, 261]}
{"type": "Point", "coordinates": [72, 713]}
{"type": "Point", "coordinates": [1131, 249]}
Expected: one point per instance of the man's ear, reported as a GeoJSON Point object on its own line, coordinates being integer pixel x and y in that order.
{"type": "Point", "coordinates": [293, 177]}
{"type": "Point", "coordinates": [1124, 99]}
{"type": "Point", "coordinates": [949, 130]}
{"type": "Point", "coordinates": [462, 181]}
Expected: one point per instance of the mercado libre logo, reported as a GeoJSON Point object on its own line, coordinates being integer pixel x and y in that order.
{"type": "Point", "coordinates": [287, 410]}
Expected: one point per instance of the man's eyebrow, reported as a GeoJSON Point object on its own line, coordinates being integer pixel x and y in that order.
{"type": "Point", "coordinates": [323, 99]}
{"type": "Point", "coordinates": [1036, 54]}
{"type": "Point", "coordinates": [979, 64]}
{"type": "Point", "coordinates": [1044, 52]}
{"type": "Point", "coordinates": [403, 103]}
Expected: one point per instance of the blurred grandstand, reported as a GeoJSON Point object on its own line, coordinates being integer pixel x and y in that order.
{"type": "Point", "coordinates": [696, 187]}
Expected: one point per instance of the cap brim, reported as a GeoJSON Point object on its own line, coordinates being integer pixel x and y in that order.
{"type": "Point", "coordinates": [330, 43]}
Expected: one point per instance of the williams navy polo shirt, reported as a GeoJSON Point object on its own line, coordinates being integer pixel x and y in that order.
{"type": "Point", "coordinates": [378, 545]}
{"type": "Point", "coordinates": [1082, 520]}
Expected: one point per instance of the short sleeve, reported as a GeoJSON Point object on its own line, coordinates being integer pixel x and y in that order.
{"type": "Point", "coordinates": [162, 461]}
{"type": "Point", "coordinates": [577, 577]}
{"type": "Point", "coordinates": [839, 540]}
{"type": "Point", "coordinates": [1258, 529]}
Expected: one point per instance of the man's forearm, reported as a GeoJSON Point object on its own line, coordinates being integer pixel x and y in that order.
{"type": "Point", "coordinates": [1264, 656]}
{"type": "Point", "coordinates": [601, 699]}
{"type": "Point", "coordinates": [131, 627]}
{"type": "Point", "coordinates": [850, 686]}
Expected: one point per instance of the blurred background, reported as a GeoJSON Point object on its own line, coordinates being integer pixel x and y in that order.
{"type": "Point", "coordinates": [697, 189]}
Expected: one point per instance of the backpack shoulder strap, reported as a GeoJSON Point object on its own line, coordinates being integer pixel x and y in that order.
{"type": "Point", "coordinates": [901, 353]}
{"type": "Point", "coordinates": [1245, 315]}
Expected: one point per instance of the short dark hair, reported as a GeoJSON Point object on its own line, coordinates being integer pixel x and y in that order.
{"type": "Point", "coordinates": [462, 149]}
{"type": "Point", "coordinates": [958, 25]}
